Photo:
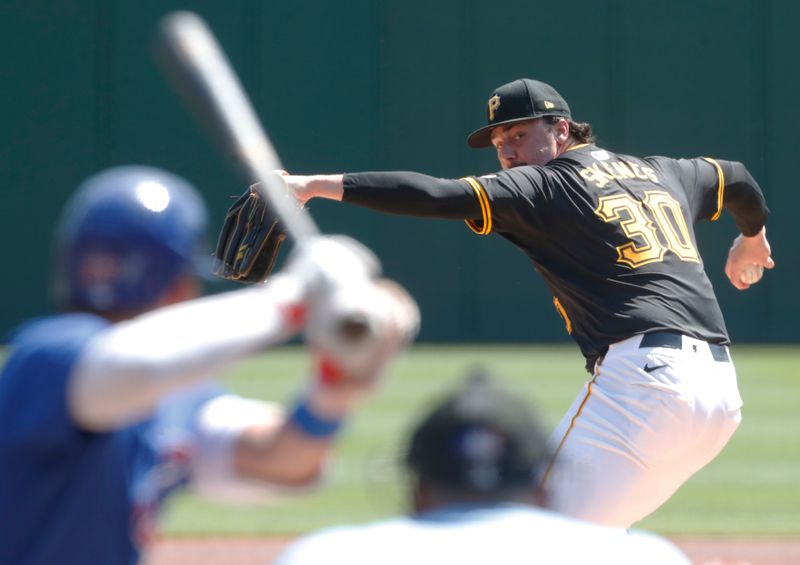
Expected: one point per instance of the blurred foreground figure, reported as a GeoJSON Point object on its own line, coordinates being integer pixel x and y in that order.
{"type": "Point", "coordinates": [108, 408]}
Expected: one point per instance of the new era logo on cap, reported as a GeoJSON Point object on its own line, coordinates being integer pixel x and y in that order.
{"type": "Point", "coordinates": [517, 101]}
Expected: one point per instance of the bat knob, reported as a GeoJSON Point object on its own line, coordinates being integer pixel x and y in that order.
{"type": "Point", "coordinates": [354, 328]}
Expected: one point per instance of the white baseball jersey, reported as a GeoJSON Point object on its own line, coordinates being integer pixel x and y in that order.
{"type": "Point", "coordinates": [69, 496]}
{"type": "Point", "coordinates": [504, 533]}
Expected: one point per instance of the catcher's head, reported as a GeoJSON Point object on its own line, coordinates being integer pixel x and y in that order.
{"type": "Point", "coordinates": [481, 442]}
{"type": "Point", "coordinates": [127, 236]}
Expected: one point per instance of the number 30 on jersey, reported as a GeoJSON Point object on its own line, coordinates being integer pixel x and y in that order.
{"type": "Point", "coordinates": [658, 214]}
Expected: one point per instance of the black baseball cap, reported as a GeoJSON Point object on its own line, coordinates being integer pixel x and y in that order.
{"type": "Point", "coordinates": [479, 439]}
{"type": "Point", "coordinates": [517, 101]}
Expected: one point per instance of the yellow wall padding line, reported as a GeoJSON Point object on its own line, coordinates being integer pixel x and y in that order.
{"type": "Point", "coordinates": [720, 187]}
{"type": "Point", "coordinates": [569, 429]}
{"type": "Point", "coordinates": [486, 210]}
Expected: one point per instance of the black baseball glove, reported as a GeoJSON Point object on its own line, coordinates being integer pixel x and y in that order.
{"type": "Point", "coordinates": [250, 239]}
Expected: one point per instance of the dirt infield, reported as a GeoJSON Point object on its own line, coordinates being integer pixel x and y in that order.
{"type": "Point", "coordinates": [260, 551]}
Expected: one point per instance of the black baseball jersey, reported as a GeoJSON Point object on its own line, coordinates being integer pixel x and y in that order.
{"type": "Point", "coordinates": [612, 235]}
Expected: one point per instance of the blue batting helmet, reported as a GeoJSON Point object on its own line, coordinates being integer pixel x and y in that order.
{"type": "Point", "coordinates": [125, 236]}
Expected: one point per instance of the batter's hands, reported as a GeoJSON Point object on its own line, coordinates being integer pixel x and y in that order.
{"type": "Point", "coordinates": [326, 262]}
{"type": "Point", "coordinates": [357, 330]}
{"type": "Point", "coordinates": [747, 258]}
{"type": "Point", "coordinates": [355, 322]}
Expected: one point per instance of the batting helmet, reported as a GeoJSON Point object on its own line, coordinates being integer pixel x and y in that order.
{"type": "Point", "coordinates": [125, 236]}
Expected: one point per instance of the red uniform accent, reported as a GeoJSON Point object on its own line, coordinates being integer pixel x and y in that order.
{"type": "Point", "coordinates": [295, 315]}
{"type": "Point", "coordinates": [329, 372]}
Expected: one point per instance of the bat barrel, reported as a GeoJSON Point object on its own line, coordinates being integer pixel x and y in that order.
{"type": "Point", "coordinates": [194, 62]}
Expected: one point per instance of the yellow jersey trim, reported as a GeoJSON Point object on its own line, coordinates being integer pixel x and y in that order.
{"type": "Point", "coordinates": [552, 463]}
{"type": "Point", "coordinates": [720, 187]}
{"type": "Point", "coordinates": [485, 227]}
{"type": "Point", "coordinates": [575, 147]}
{"type": "Point", "coordinates": [563, 313]}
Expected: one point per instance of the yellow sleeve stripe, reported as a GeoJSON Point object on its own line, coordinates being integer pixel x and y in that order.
{"type": "Point", "coordinates": [485, 227]}
{"type": "Point", "coordinates": [720, 187]}
{"type": "Point", "coordinates": [563, 313]}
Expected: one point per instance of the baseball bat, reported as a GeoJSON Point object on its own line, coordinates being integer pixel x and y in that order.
{"type": "Point", "coordinates": [194, 62]}
{"type": "Point", "coordinates": [196, 65]}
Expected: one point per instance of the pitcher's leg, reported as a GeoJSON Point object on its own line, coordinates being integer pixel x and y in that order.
{"type": "Point", "coordinates": [632, 438]}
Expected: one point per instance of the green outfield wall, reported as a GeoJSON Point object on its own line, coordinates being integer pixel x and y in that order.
{"type": "Point", "coordinates": [366, 85]}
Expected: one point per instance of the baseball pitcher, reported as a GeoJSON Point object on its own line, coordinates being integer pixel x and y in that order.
{"type": "Point", "coordinates": [612, 235]}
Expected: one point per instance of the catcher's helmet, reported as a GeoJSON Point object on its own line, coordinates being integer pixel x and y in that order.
{"type": "Point", "coordinates": [125, 236]}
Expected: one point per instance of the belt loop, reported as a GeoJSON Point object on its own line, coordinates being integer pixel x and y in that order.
{"type": "Point", "coordinates": [719, 352]}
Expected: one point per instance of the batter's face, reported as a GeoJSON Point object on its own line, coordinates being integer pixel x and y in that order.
{"type": "Point", "coordinates": [534, 142]}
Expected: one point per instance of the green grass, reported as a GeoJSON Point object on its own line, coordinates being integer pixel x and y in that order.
{"type": "Point", "coordinates": [752, 488]}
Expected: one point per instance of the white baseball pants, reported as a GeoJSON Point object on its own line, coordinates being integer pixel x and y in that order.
{"type": "Point", "coordinates": [657, 410]}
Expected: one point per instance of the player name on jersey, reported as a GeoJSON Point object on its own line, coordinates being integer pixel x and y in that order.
{"type": "Point", "coordinates": [601, 172]}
